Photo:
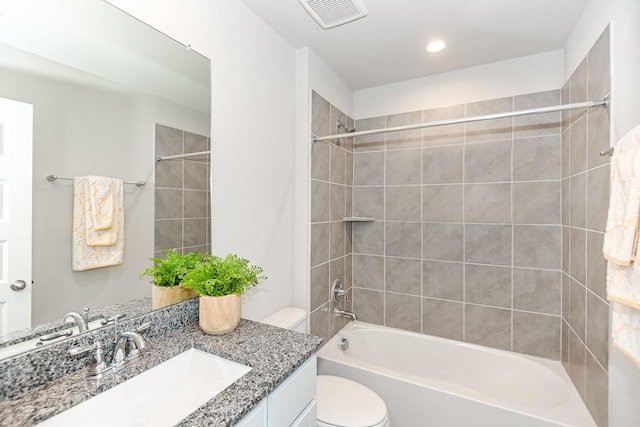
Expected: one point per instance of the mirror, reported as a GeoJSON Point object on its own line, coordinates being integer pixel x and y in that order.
{"type": "Point", "coordinates": [100, 84]}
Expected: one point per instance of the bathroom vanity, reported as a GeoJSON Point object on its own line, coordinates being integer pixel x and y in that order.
{"type": "Point", "coordinates": [276, 392]}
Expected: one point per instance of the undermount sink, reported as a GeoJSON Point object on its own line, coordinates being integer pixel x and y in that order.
{"type": "Point", "coordinates": [162, 395]}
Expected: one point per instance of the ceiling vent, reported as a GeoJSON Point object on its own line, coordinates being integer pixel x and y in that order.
{"type": "Point", "coordinates": [331, 13]}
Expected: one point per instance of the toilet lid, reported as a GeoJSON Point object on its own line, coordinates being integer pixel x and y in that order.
{"type": "Point", "coordinates": [342, 402]}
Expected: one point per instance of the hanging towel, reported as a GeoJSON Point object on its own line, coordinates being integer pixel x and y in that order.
{"type": "Point", "coordinates": [102, 201]}
{"type": "Point", "coordinates": [621, 245]}
{"type": "Point", "coordinates": [85, 256]}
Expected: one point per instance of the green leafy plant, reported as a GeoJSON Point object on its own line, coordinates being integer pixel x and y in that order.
{"type": "Point", "coordinates": [216, 276]}
{"type": "Point", "coordinates": [170, 270]}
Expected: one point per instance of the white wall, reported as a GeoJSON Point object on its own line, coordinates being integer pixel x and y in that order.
{"type": "Point", "coordinates": [253, 106]}
{"type": "Point", "coordinates": [535, 73]}
{"type": "Point", "coordinates": [624, 15]}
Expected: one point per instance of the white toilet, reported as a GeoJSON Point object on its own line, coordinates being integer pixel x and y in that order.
{"type": "Point", "coordinates": [341, 402]}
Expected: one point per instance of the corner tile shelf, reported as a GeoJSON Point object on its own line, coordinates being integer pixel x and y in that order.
{"type": "Point", "coordinates": [358, 219]}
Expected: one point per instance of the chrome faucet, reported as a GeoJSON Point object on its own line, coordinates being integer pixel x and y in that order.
{"type": "Point", "coordinates": [129, 345]}
{"type": "Point", "coordinates": [82, 320]}
{"type": "Point", "coordinates": [337, 292]}
{"type": "Point", "coordinates": [351, 315]}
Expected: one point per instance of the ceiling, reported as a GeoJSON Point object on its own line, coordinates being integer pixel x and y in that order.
{"type": "Point", "coordinates": [388, 45]}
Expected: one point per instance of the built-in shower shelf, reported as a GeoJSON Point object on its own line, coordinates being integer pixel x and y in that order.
{"type": "Point", "coordinates": [358, 219]}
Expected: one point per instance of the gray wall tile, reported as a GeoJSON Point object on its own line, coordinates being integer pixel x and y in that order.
{"type": "Point", "coordinates": [403, 312]}
{"type": "Point", "coordinates": [578, 200]}
{"type": "Point", "coordinates": [578, 148]}
{"type": "Point", "coordinates": [537, 334]}
{"type": "Point", "coordinates": [369, 305]}
{"type": "Point", "coordinates": [167, 234]}
{"type": "Point", "coordinates": [408, 138]}
{"type": "Point", "coordinates": [442, 318]}
{"type": "Point", "coordinates": [320, 115]}
{"type": "Point", "coordinates": [488, 244]}
{"type": "Point", "coordinates": [168, 140]}
{"type": "Point", "coordinates": [370, 142]}
{"type": "Point", "coordinates": [537, 124]}
{"type": "Point", "coordinates": [487, 161]}
{"type": "Point", "coordinates": [596, 265]}
{"type": "Point", "coordinates": [403, 239]}
{"type": "Point", "coordinates": [402, 203]}
{"type": "Point", "coordinates": [598, 138]}
{"type": "Point", "coordinates": [368, 272]}
{"type": "Point", "coordinates": [168, 203]}
{"type": "Point", "coordinates": [441, 135]}
{"type": "Point", "coordinates": [577, 307]}
{"type": "Point", "coordinates": [442, 165]}
{"type": "Point", "coordinates": [169, 174]}
{"type": "Point", "coordinates": [443, 280]}
{"type": "Point", "coordinates": [194, 232]}
{"type": "Point", "coordinates": [566, 153]}
{"type": "Point", "coordinates": [337, 202]}
{"type": "Point", "coordinates": [488, 326]}
{"type": "Point", "coordinates": [320, 286]}
{"type": "Point", "coordinates": [403, 275]}
{"type": "Point", "coordinates": [442, 203]}
{"type": "Point", "coordinates": [320, 160]}
{"type": "Point", "coordinates": [578, 88]}
{"type": "Point", "coordinates": [576, 368]}
{"type": "Point", "coordinates": [337, 173]}
{"type": "Point", "coordinates": [319, 323]}
{"type": "Point", "coordinates": [195, 204]}
{"type": "Point", "coordinates": [196, 175]}
{"type": "Point", "coordinates": [597, 391]}
{"type": "Point", "coordinates": [598, 198]}
{"type": "Point", "coordinates": [537, 246]}
{"type": "Point", "coordinates": [487, 285]}
{"type": "Point", "coordinates": [403, 167]}
{"type": "Point", "coordinates": [319, 201]}
{"type": "Point", "coordinates": [597, 333]}
{"type": "Point", "coordinates": [578, 253]}
{"type": "Point", "coordinates": [487, 203]}
{"type": "Point", "coordinates": [491, 129]}
{"type": "Point", "coordinates": [537, 290]}
{"type": "Point", "coordinates": [599, 68]}
{"type": "Point", "coordinates": [337, 238]}
{"type": "Point", "coordinates": [537, 158]}
{"type": "Point", "coordinates": [442, 241]}
{"type": "Point", "coordinates": [369, 202]}
{"type": "Point", "coordinates": [537, 202]}
{"type": "Point", "coordinates": [368, 238]}
{"type": "Point", "coordinates": [319, 243]}
{"type": "Point", "coordinates": [368, 168]}
{"type": "Point", "coordinates": [194, 143]}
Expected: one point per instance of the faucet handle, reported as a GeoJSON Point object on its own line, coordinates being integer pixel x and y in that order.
{"type": "Point", "coordinates": [143, 328]}
{"type": "Point", "coordinates": [100, 366]}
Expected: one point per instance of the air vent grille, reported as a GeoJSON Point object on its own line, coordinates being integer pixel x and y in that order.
{"type": "Point", "coordinates": [331, 13]}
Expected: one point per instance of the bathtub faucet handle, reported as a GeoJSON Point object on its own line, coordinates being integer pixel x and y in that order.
{"type": "Point", "coordinates": [338, 291]}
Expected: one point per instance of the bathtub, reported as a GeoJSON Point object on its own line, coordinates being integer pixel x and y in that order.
{"type": "Point", "coordinates": [428, 381]}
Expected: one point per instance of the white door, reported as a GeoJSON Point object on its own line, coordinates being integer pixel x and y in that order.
{"type": "Point", "coordinates": [16, 119]}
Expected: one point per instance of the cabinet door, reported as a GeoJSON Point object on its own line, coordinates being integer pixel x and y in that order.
{"type": "Point", "coordinates": [308, 417]}
{"type": "Point", "coordinates": [256, 418]}
{"type": "Point", "coordinates": [292, 396]}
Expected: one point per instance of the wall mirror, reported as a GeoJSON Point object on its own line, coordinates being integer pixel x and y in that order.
{"type": "Point", "coordinates": [91, 84]}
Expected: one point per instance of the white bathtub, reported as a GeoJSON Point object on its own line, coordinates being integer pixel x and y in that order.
{"type": "Point", "coordinates": [428, 381]}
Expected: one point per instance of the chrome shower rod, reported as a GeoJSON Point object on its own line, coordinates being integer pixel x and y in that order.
{"type": "Point", "coordinates": [182, 156]}
{"type": "Point", "coordinates": [587, 104]}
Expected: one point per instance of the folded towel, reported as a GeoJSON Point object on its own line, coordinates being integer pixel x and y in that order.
{"type": "Point", "coordinates": [621, 245]}
{"type": "Point", "coordinates": [621, 232]}
{"type": "Point", "coordinates": [103, 197]}
{"type": "Point", "coordinates": [84, 256]}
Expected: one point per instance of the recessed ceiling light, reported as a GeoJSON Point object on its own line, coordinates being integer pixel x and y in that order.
{"type": "Point", "coordinates": [435, 46]}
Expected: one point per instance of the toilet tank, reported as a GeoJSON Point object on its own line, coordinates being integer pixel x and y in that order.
{"type": "Point", "coordinates": [289, 318]}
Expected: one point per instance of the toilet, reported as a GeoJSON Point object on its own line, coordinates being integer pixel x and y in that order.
{"type": "Point", "coordinates": [340, 402]}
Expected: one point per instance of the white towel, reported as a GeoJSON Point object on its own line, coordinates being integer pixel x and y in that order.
{"type": "Point", "coordinates": [620, 245]}
{"type": "Point", "coordinates": [85, 257]}
{"type": "Point", "coordinates": [101, 210]}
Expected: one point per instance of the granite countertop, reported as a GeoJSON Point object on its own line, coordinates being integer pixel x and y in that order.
{"type": "Point", "coordinates": [273, 353]}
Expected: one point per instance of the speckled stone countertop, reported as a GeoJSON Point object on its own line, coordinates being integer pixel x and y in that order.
{"type": "Point", "coordinates": [273, 353]}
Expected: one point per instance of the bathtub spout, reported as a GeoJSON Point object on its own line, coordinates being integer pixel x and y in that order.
{"type": "Point", "coordinates": [351, 315]}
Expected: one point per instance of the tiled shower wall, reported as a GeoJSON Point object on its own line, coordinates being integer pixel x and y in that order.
{"type": "Point", "coordinates": [331, 201]}
{"type": "Point", "coordinates": [467, 239]}
{"type": "Point", "coordinates": [585, 195]}
{"type": "Point", "coordinates": [182, 198]}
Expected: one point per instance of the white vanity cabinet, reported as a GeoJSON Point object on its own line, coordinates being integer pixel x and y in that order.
{"type": "Point", "coordinates": [291, 404]}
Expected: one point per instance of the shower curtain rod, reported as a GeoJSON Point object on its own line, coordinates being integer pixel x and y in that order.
{"type": "Point", "coordinates": [587, 104]}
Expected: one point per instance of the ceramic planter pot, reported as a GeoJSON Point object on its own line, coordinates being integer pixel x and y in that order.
{"type": "Point", "coordinates": [219, 315]}
{"type": "Point", "coordinates": [163, 296]}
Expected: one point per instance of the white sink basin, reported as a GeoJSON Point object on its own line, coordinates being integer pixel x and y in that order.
{"type": "Point", "coordinates": [160, 396]}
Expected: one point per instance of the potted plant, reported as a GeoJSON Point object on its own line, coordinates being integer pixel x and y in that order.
{"type": "Point", "coordinates": [167, 274]}
{"type": "Point", "coordinates": [220, 282]}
